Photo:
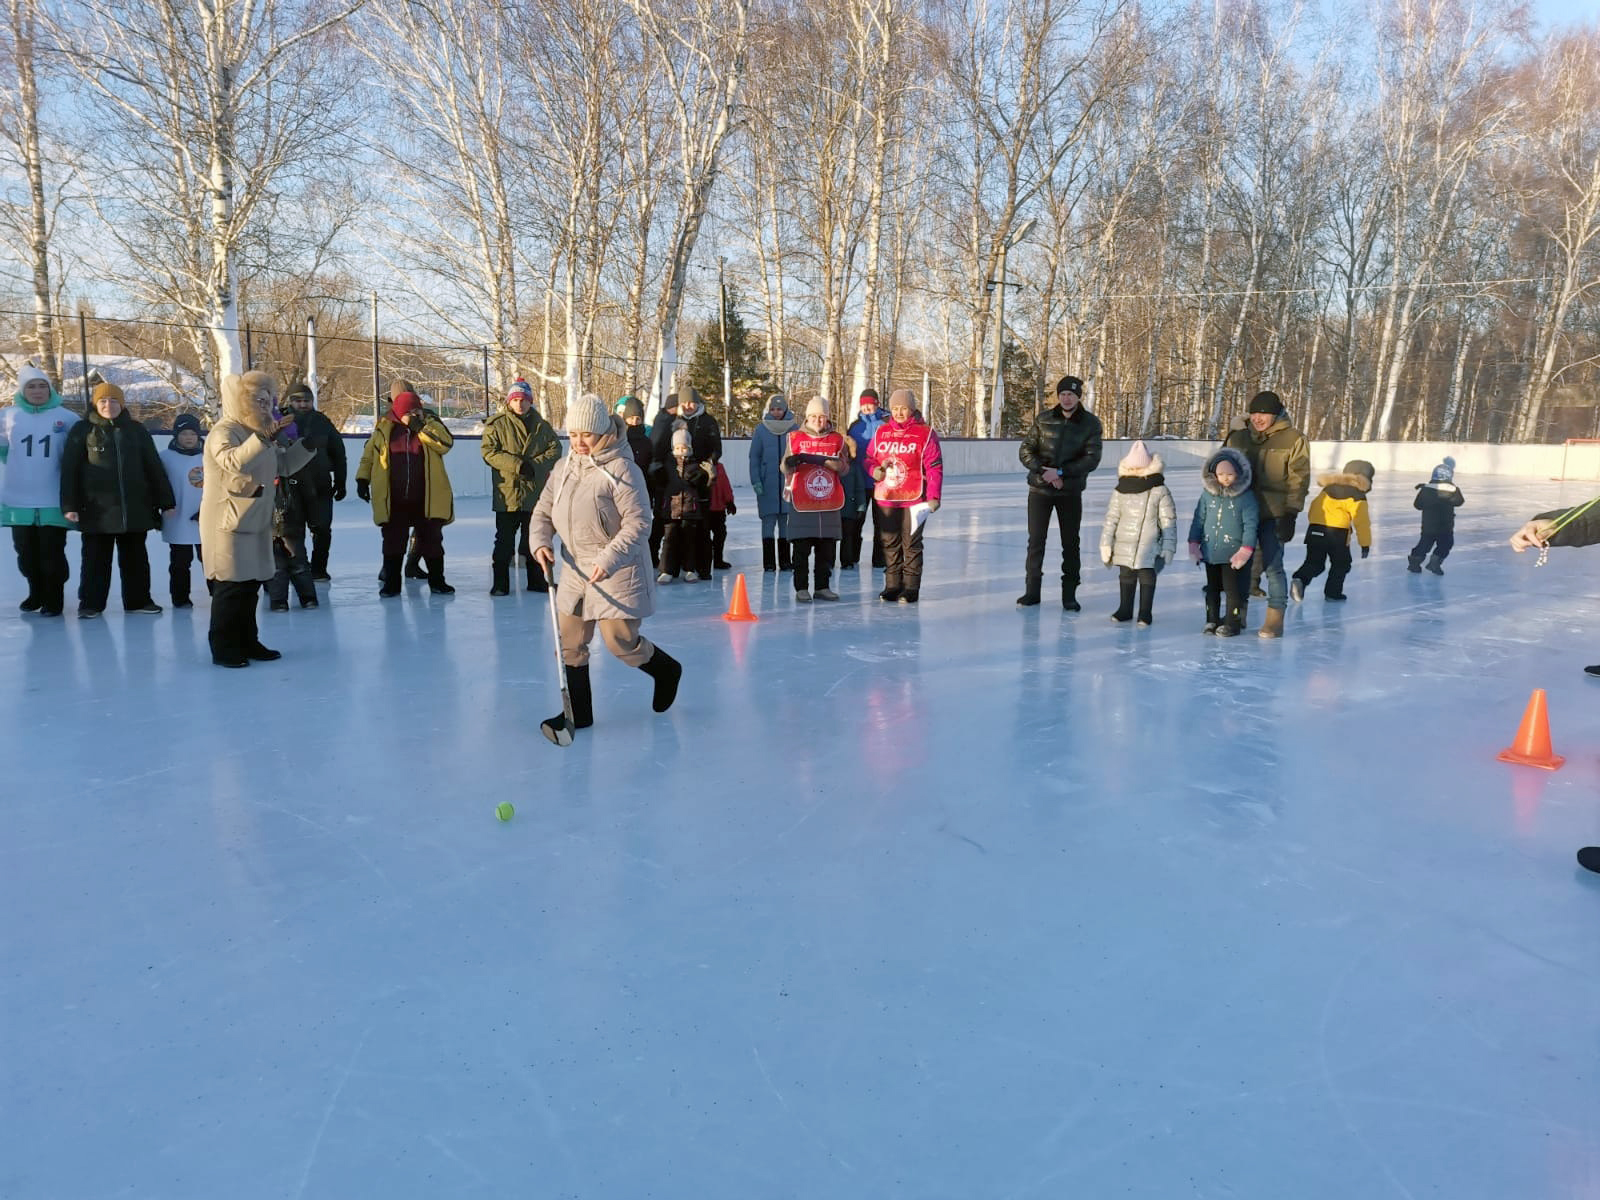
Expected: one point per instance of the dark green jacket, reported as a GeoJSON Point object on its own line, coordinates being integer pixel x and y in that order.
{"type": "Point", "coordinates": [1280, 464]}
{"type": "Point", "coordinates": [1072, 445]}
{"type": "Point", "coordinates": [520, 452]}
{"type": "Point", "coordinates": [112, 477]}
{"type": "Point", "coordinates": [1582, 530]}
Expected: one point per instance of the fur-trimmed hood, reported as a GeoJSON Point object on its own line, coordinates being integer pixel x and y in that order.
{"type": "Point", "coordinates": [1344, 485]}
{"type": "Point", "coordinates": [1208, 473]}
{"type": "Point", "coordinates": [239, 401]}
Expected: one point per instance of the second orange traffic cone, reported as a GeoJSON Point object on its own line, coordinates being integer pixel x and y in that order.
{"type": "Point", "coordinates": [739, 609]}
{"type": "Point", "coordinates": [1532, 747]}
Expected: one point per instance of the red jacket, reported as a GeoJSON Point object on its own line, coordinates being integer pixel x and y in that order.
{"type": "Point", "coordinates": [912, 462]}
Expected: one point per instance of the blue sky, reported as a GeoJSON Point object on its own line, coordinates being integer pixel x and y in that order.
{"type": "Point", "coordinates": [1553, 13]}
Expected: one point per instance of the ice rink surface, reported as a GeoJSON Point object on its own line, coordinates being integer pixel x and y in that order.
{"type": "Point", "coordinates": [953, 901]}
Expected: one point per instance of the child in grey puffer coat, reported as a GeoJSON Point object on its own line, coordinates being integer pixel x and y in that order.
{"type": "Point", "coordinates": [1140, 535]}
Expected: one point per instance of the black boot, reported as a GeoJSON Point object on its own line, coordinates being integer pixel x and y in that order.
{"type": "Point", "coordinates": [1030, 592]}
{"type": "Point", "coordinates": [1125, 589]}
{"type": "Point", "coordinates": [666, 671]}
{"type": "Point", "coordinates": [785, 563]}
{"type": "Point", "coordinates": [536, 579]}
{"type": "Point", "coordinates": [1434, 562]}
{"type": "Point", "coordinates": [769, 555]}
{"type": "Point", "coordinates": [390, 575]}
{"type": "Point", "coordinates": [435, 578]}
{"type": "Point", "coordinates": [582, 708]}
{"type": "Point", "coordinates": [1414, 563]}
{"type": "Point", "coordinates": [502, 581]}
{"type": "Point", "coordinates": [1213, 604]}
{"type": "Point", "coordinates": [1069, 597]}
{"type": "Point", "coordinates": [414, 568]}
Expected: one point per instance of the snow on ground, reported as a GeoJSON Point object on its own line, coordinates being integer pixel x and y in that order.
{"type": "Point", "coordinates": [947, 901]}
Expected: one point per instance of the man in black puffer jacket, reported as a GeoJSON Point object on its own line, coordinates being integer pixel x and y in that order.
{"type": "Point", "coordinates": [1060, 451]}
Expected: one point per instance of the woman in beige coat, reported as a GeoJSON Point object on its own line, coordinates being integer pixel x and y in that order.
{"type": "Point", "coordinates": [243, 460]}
{"type": "Point", "coordinates": [596, 501]}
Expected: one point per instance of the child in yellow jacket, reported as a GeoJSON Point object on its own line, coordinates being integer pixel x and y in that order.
{"type": "Point", "coordinates": [1340, 507]}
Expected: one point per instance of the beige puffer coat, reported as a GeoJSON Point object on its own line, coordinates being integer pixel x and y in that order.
{"type": "Point", "coordinates": [241, 469]}
{"type": "Point", "coordinates": [598, 505]}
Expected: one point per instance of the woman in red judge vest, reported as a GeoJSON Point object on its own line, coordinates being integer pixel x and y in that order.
{"type": "Point", "coordinates": [907, 468]}
{"type": "Point", "coordinates": [814, 458]}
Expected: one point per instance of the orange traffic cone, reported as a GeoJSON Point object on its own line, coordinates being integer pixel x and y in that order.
{"type": "Point", "coordinates": [739, 609]}
{"type": "Point", "coordinates": [1532, 747]}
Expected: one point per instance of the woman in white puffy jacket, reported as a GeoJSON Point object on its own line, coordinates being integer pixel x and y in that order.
{"type": "Point", "coordinates": [1140, 535]}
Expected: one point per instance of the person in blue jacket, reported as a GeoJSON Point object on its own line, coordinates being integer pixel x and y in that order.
{"type": "Point", "coordinates": [766, 477]}
{"type": "Point", "coordinates": [1222, 536]}
{"type": "Point", "coordinates": [869, 416]}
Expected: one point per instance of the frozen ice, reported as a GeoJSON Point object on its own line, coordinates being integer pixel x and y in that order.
{"type": "Point", "coordinates": [950, 901]}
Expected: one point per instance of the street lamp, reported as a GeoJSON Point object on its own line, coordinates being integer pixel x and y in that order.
{"type": "Point", "coordinates": [997, 385]}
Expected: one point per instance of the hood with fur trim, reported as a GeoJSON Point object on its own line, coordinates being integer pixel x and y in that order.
{"type": "Point", "coordinates": [1208, 473]}
{"type": "Point", "coordinates": [1345, 485]}
{"type": "Point", "coordinates": [239, 401]}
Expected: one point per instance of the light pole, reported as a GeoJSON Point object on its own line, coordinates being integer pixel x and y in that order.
{"type": "Point", "coordinates": [727, 368]}
{"type": "Point", "coordinates": [996, 383]}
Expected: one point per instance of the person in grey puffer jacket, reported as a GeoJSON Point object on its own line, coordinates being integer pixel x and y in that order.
{"type": "Point", "coordinates": [1223, 536]}
{"type": "Point", "coordinates": [1140, 534]}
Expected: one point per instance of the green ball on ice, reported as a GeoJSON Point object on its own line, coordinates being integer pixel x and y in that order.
{"type": "Point", "coordinates": [504, 810]}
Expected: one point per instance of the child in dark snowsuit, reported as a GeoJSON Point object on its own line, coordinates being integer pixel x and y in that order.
{"type": "Point", "coordinates": [1437, 501]}
{"type": "Point", "coordinates": [1338, 508]}
{"type": "Point", "coordinates": [685, 507]}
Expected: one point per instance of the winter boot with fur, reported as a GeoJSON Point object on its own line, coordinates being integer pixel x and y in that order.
{"type": "Point", "coordinates": [666, 671]}
{"type": "Point", "coordinates": [1124, 611]}
{"type": "Point", "coordinates": [1272, 627]}
{"type": "Point", "coordinates": [1435, 564]}
{"type": "Point", "coordinates": [582, 708]}
{"type": "Point", "coordinates": [435, 578]}
{"type": "Point", "coordinates": [1414, 563]}
{"type": "Point", "coordinates": [390, 575]}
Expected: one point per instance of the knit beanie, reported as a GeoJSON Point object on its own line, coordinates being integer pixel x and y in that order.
{"type": "Point", "coordinates": [780, 400]}
{"type": "Point", "coordinates": [1266, 402]}
{"type": "Point", "coordinates": [868, 396]}
{"type": "Point", "coordinates": [1136, 459]}
{"type": "Point", "coordinates": [1445, 472]}
{"type": "Point", "coordinates": [399, 387]}
{"type": "Point", "coordinates": [632, 407]}
{"type": "Point", "coordinates": [816, 408]}
{"type": "Point", "coordinates": [31, 374]}
{"type": "Point", "coordinates": [1070, 383]}
{"type": "Point", "coordinates": [680, 438]}
{"type": "Point", "coordinates": [1361, 467]}
{"type": "Point", "coordinates": [522, 390]}
{"type": "Point", "coordinates": [405, 404]}
{"type": "Point", "coordinates": [588, 414]}
{"type": "Point", "coordinates": [106, 391]}
{"type": "Point", "coordinates": [670, 404]}
{"type": "Point", "coordinates": [186, 421]}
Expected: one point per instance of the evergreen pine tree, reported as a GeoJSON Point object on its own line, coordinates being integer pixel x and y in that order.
{"type": "Point", "coordinates": [751, 376]}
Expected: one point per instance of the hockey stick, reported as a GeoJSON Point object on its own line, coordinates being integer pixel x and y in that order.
{"type": "Point", "coordinates": [561, 737]}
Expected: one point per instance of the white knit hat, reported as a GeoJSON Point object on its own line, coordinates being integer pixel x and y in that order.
{"type": "Point", "coordinates": [29, 374]}
{"type": "Point", "coordinates": [588, 414]}
{"type": "Point", "coordinates": [1136, 459]}
{"type": "Point", "coordinates": [680, 437]}
{"type": "Point", "coordinates": [816, 408]}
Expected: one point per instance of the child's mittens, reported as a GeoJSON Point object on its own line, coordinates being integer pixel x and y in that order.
{"type": "Point", "coordinates": [1366, 550]}
{"type": "Point", "coordinates": [1240, 557]}
{"type": "Point", "coordinates": [1194, 553]}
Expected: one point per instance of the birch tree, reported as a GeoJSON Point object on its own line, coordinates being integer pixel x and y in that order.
{"type": "Point", "coordinates": [205, 107]}
{"type": "Point", "coordinates": [29, 227]}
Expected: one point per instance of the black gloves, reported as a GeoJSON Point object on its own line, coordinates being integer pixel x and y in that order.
{"type": "Point", "coordinates": [339, 492]}
{"type": "Point", "coordinates": [1285, 527]}
{"type": "Point", "coordinates": [730, 509]}
{"type": "Point", "coordinates": [1366, 550]}
{"type": "Point", "coordinates": [364, 490]}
